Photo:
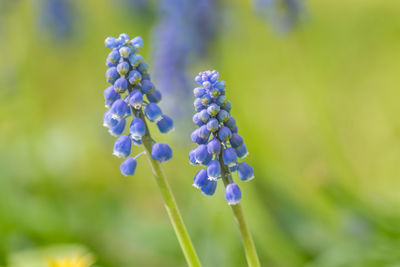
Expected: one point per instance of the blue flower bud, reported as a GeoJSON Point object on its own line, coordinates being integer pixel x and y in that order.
{"type": "Point", "coordinates": [137, 129]}
{"type": "Point", "coordinates": [119, 109]}
{"type": "Point", "coordinates": [235, 129]}
{"type": "Point", "coordinates": [214, 146]}
{"type": "Point", "coordinates": [221, 101]}
{"type": "Point", "coordinates": [213, 170]}
{"type": "Point", "coordinates": [241, 151]}
{"type": "Point", "coordinates": [147, 87]}
{"type": "Point", "coordinates": [153, 112]}
{"type": "Point", "coordinates": [196, 120]}
{"type": "Point", "coordinates": [146, 76]}
{"type": "Point", "coordinates": [213, 109]}
{"type": "Point", "coordinates": [143, 67]}
{"type": "Point", "coordinates": [110, 94]}
{"type": "Point", "coordinates": [207, 160]}
{"type": "Point", "coordinates": [137, 42]}
{"type": "Point", "coordinates": [206, 84]}
{"type": "Point", "coordinates": [209, 188]}
{"type": "Point", "coordinates": [199, 92]}
{"type": "Point", "coordinates": [229, 156]}
{"type": "Point", "coordinates": [236, 140]}
{"type": "Point", "coordinates": [196, 138]}
{"type": "Point", "coordinates": [110, 42]}
{"type": "Point", "coordinates": [214, 92]}
{"type": "Point", "coordinates": [166, 124]}
{"type": "Point", "coordinates": [224, 133]}
{"type": "Point", "coordinates": [203, 132]}
{"type": "Point", "coordinates": [121, 85]}
{"type": "Point", "coordinates": [109, 64]}
{"type": "Point", "coordinates": [134, 77]}
{"type": "Point", "coordinates": [123, 37]}
{"type": "Point", "coordinates": [113, 57]}
{"type": "Point", "coordinates": [108, 120]}
{"type": "Point", "coordinates": [200, 179]}
{"type": "Point", "coordinates": [128, 166]}
{"type": "Point", "coordinates": [155, 96]}
{"type": "Point", "coordinates": [230, 123]}
{"type": "Point", "coordinates": [204, 116]}
{"type": "Point", "coordinates": [122, 147]}
{"type": "Point", "coordinates": [245, 171]}
{"type": "Point", "coordinates": [123, 68]}
{"type": "Point", "coordinates": [233, 194]}
{"type": "Point", "coordinates": [220, 86]}
{"type": "Point", "coordinates": [117, 129]}
{"type": "Point", "coordinates": [198, 106]}
{"type": "Point", "coordinates": [136, 99]}
{"type": "Point", "coordinates": [124, 51]}
{"type": "Point", "coordinates": [223, 115]}
{"type": "Point", "coordinates": [192, 158]}
{"type": "Point", "coordinates": [201, 154]}
{"type": "Point", "coordinates": [205, 99]}
{"type": "Point", "coordinates": [227, 106]}
{"type": "Point", "coordinates": [161, 152]}
{"type": "Point", "coordinates": [112, 75]}
{"type": "Point", "coordinates": [213, 125]}
{"type": "Point", "coordinates": [135, 60]}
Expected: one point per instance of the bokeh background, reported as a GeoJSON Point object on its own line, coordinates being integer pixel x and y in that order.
{"type": "Point", "coordinates": [315, 90]}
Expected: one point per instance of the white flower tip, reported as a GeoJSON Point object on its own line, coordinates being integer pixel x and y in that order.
{"type": "Point", "coordinates": [212, 178]}
{"type": "Point", "coordinates": [233, 202]}
{"type": "Point", "coordinates": [196, 186]}
{"type": "Point", "coordinates": [250, 178]}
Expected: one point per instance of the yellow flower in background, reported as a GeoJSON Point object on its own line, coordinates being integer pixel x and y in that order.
{"type": "Point", "coordinates": [78, 261]}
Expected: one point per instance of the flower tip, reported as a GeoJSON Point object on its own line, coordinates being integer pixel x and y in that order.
{"type": "Point", "coordinates": [196, 186]}
{"type": "Point", "coordinates": [233, 202]}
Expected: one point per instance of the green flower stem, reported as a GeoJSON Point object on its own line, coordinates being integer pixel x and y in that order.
{"type": "Point", "coordinates": [247, 240]}
{"type": "Point", "coordinates": [169, 202]}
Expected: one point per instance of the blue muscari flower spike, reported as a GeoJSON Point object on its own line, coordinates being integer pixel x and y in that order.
{"type": "Point", "coordinates": [219, 144]}
{"type": "Point", "coordinates": [130, 82]}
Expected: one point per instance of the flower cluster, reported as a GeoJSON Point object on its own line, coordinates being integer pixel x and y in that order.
{"type": "Point", "coordinates": [182, 35]}
{"type": "Point", "coordinates": [130, 83]}
{"type": "Point", "coordinates": [58, 16]}
{"type": "Point", "coordinates": [219, 144]}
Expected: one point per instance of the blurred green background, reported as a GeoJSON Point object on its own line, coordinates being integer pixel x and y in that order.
{"type": "Point", "coordinates": [318, 108]}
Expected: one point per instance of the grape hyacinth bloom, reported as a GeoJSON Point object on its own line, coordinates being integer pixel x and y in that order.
{"type": "Point", "coordinates": [132, 99]}
{"type": "Point", "coordinates": [219, 148]}
{"type": "Point", "coordinates": [58, 18]}
{"type": "Point", "coordinates": [219, 144]}
{"type": "Point", "coordinates": [130, 84]}
{"type": "Point", "coordinates": [183, 33]}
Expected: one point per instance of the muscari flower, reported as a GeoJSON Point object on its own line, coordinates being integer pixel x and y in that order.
{"type": "Point", "coordinates": [219, 144]}
{"type": "Point", "coordinates": [183, 33]}
{"type": "Point", "coordinates": [129, 83]}
{"type": "Point", "coordinates": [57, 17]}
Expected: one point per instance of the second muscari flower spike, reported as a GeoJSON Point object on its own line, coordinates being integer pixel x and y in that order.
{"type": "Point", "coordinates": [219, 144]}
{"type": "Point", "coordinates": [130, 83]}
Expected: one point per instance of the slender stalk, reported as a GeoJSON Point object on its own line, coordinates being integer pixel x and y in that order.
{"type": "Point", "coordinates": [169, 201]}
{"type": "Point", "coordinates": [247, 240]}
